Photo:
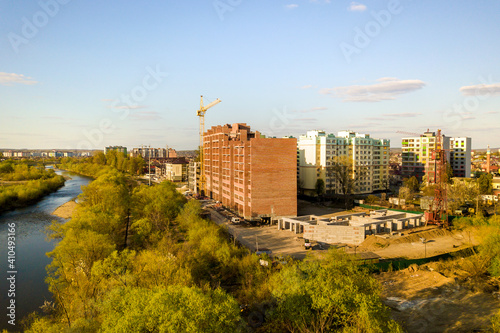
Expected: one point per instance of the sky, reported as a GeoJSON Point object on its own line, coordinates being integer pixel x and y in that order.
{"type": "Point", "coordinates": [89, 74]}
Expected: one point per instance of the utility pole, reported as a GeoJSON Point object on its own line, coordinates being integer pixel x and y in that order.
{"type": "Point", "coordinates": [424, 241]}
{"type": "Point", "coordinates": [149, 163]}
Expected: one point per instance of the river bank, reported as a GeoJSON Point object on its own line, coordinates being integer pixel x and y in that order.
{"type": "Point", "coordinates": [31, 248]}
{"type": "Point", "coordinates": [66, 210]}
{"type": "Point", "coordinates": [16, 195]}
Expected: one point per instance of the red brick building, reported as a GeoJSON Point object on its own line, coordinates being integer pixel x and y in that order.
{"type": "Point", "coordinates": [248, 173]}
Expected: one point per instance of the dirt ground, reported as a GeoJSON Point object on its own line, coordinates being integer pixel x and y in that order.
{"type": "Point", "coordinates": [423, 300]}
{"type": "Point", "coordinates": [65, 210]}
{"type": "Point", "coordinates": [410, 245]}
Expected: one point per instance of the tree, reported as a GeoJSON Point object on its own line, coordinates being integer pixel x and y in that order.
{"type": "Point", "coordinates": [461, 192]}
{"type": "Point", "coordinates": [412, 184]}
{"type": "Point", "coordinates": [485, 183]}
{"type": "Point", "coordinates": [112, 158]}
{"type": "Point", "coordinates": [300, 186]}
{"type": "Point", "coordinates": [405, 193]}
{"type": "Point", "coordinates": [170, 309]}
{"type": "Point", "coordinates": [136, 165]}
{"type": "Point", "coordinates": [319, 187]}
{"type": "Point", "coordinates": [154, 208]}
{"type": "Point", "coordinates": [448, 178]}
{"type": "Point", "coordinates": [333, 295]}
{"type": "Point", "coordinates": [99, 158]}
{"type": "Point", "coordinates": [371, 199]}
{"type": "Point", "coordinates": [341, 170]}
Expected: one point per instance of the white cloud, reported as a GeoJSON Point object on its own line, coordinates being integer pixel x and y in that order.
{"type": "Point", "coordinates": [307, 86]}
{"type": "Point", "coordinates": [8, 79]}
{"type": "Point", "coordinates": [481, 90]}
{"type": "Point", "coordinates": [145, 115]}
{"type": "Point", "coordinates": [357, 7]}
{"type": "Point", "coordinates": [386, 89]}
{"type": "Point", "coordinates": [291, 6]}
{"type": "Point", "coordinates": [402, 115]}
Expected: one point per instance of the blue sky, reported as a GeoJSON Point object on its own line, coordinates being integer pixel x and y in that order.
{"type": "Point", "coordinates": [87, 74]}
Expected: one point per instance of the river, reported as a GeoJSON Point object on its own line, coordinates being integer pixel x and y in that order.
{"type": "Point", "coordinates": [30, 252]}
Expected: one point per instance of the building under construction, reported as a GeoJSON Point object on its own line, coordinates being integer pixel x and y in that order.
{"type": "Point", "coordinates": [249, 173]}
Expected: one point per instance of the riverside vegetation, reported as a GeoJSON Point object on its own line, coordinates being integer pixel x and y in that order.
{"type": "Point", "coordinates": [141, 259]}
{"type": "Point", "coordinates": [25, 182]}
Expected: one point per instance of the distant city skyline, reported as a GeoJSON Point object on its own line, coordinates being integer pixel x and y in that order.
{"type": "Point", "coordinates": [95, 74]}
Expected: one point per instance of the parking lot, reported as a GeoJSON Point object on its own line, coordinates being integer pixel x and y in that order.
{"type": "Point", "coordinates": [280, 242]}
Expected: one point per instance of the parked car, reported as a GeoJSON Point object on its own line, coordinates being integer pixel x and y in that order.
{"type": "Point", "coordinates": [262, 251]}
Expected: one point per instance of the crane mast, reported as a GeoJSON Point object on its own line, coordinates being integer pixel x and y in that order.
{"type": "Point", "coordinates": [201, 113]}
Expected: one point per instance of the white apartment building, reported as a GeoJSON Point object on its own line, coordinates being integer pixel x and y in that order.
{"type": "Point", "coordinates": [417, 154]}
{"type": "Point", "coordinates": [460, 156]}
{"type": "Point", "coordinates": [194, 176]}
{"type": "Point", "coordinates": [318, 150]}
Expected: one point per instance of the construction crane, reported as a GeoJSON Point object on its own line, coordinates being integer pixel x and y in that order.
{"type": "Point", "coordinates": [436, 166]}
{"type": "Point", "coordinates": [201, 113]}
{"type": "Point", "coordinates": [437, 213]}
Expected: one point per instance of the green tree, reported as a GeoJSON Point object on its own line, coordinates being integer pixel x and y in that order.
{"type": "Point", "coordinates": [154, 208]}
{"type": "Point", "coordinates": [412, 184]}
{"type": "Point", "coordinates": [461, 192]}
{"type": "Point", "coordinates": [326, 296]}
{"type": "Point", "coordinates": [319, 187]}
{"type": "Point", "coordinates": [449, 174]}
{"type": "Point", "coordinates": [170, 309]}
{"type": "Point", "coordinates": [485, 183]}
{"type": "Point", "coordinates": [99, 158]}
{"type": "Point", "coordinates": [341, 171]}
{"type": "Point", "coordinates": [112, 158]}
{"type": "Point", "coordinates": [136, 165]}
{"type": "Point", "coordinates": [371, 199]}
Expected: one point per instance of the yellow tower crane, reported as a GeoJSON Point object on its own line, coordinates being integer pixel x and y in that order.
{"type": "Point", "coordinates": [201, 113]}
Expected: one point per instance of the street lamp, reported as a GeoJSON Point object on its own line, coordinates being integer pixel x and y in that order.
{"type": "Point", "coordinates": [424, 241]}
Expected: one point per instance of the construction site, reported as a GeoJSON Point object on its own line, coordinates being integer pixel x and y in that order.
{"type": "Point", "coordinates": [351, 228]}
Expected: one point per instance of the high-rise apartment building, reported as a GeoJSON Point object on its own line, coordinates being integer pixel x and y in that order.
{"type": "Point", "coordinates": [251, 174]}
{"type": "Point", "coordinates": [119, 149]}
{"type": "Point", "coordinates": [369, 158]}
{"type": "Point", "coordinates": [460, 156]}
{"type": "Point", "coordinates": [147, 152]}
{"type": "Point", "coordinates": [417, 154]}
